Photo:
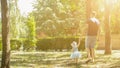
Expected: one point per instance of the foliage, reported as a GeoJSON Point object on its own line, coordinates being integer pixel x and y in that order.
{"type": "Point", "coordinates": [14, 19]}
{"type": "Point", "coordinates": [58, 17]}
{"type": "Point", "coordinates": [115, 21]}
{"type": "Point", "coordinates": [31, 35]}
{"type": "Point", "coordinates": [17, 21]}
{"type": "Point", "coordinates": [0, 44]}
{"type": "Point", "coordinates": [14, 44]}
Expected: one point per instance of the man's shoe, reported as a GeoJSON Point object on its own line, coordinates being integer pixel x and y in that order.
{"type": "Point", "coordinates": [88, 61]}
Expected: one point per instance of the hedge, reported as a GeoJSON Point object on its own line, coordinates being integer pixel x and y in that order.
{"type": "Point", "coordinates": [56, 43]}
{"type": "Point", "coordinates": [14, 44]}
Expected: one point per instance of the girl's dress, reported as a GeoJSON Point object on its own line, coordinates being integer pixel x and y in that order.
{"type": "Point", "coordinates": [75, 53]}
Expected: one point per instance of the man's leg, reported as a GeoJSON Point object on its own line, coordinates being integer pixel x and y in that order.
{"type": "Point", "coordinates": [87, 44]}
{"type": "Point", "coordinates": [93, 43]}
{"type": "Point", "coordinates": [92, 54]}
{"type": "Point", "coordinates": [88, 53]}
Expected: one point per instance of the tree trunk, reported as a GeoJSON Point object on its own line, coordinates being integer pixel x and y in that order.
{"type": "Point", "coordinates": [5, 36]}
{"type": "Point", "coordinates": [88, 9]}
{"type": "Point", "coordinates": [107, 29]}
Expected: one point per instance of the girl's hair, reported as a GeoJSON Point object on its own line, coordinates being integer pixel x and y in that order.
{"type": "Point", "coordinates": [74, 43]}
{"type": "Point", "coordinates": [93, 13]}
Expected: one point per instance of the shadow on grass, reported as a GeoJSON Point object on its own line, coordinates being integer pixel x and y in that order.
{"type": "Point", "coordinates": [59, 59]}
{"type": "Point", "coordinates": [78, 65]}
{"type": "Point", "coordinates": [115, 65]}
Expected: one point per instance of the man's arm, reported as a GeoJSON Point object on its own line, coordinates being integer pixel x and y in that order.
{"type": "Point", "coordinates": [98, 36]}
{"type": "Point", "coordinates": [84, 31]}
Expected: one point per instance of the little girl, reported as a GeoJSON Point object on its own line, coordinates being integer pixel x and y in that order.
{"type": "Point", "coordinates": [75, 53]}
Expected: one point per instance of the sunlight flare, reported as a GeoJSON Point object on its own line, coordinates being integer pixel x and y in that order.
{"type": "Point", "coordinates": [25, 6]}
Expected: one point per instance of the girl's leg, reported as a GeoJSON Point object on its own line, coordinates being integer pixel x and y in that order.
{"type": "Point", "coordinates": [76, 60]}
{"type": "Point", "coordinates": [72, 60]}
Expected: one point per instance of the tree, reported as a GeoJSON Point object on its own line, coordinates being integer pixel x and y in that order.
{"type": "Point", "coordinates": [59, 16]}
{"type": "Point", "coordinates": [107, 28]}
{"type": "Point", "coordinates": [88, 8]}
{"type": "Point", "coordinates": [5, 36]}
{"type": "Point", "coordinates": [15, 19]}
{"type": "Point", "coordinates": [31, 33]}
{"type": "Point", "coordinates": [115, 18]}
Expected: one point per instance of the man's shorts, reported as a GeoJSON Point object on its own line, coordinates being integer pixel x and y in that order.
{"type": "Point", "coordinates": [90, 41]}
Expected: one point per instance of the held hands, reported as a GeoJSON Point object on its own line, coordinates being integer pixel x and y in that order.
{"type": "Point", "coordinates": [98, 39]}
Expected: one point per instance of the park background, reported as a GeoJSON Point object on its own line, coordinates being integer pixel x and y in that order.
{"type": "Point", "coordinates": [51, 25]}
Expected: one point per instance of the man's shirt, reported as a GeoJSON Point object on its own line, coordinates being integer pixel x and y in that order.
{"type": "Point", "coordinates": [93, 26]}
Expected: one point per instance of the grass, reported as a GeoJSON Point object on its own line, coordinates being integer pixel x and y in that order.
{"type": "Point", "coordinates": [60, 60]}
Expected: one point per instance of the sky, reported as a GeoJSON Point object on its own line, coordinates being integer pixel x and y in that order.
{"type": "Point", "coordinates": [25, 6]}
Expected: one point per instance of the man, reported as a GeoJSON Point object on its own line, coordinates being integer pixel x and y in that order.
{"type": "Point", "coordinates": [92, 32]}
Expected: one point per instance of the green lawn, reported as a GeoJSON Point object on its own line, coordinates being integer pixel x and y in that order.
{"type": "Point", "coordinates": [61, 59]}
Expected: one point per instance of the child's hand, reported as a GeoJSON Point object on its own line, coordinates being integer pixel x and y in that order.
{"type": "Point", "coordinates": [79, 41]}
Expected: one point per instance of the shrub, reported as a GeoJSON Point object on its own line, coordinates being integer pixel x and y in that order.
{"type": "Point", "coordinates": [45, 44]}
{"type": "Point", "coordinates": [58, 43]}
{"type": "Point", "coordinates": [28, 44]}
{"type": "Point", "coordinates": [15, 44]}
